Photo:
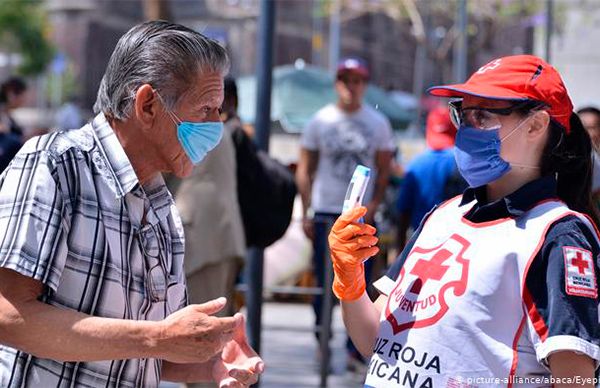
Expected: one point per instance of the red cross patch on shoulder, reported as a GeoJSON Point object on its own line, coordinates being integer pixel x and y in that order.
{"type": "Point", "coordinates": [580, 277]}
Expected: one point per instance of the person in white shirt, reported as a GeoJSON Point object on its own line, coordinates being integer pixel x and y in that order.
{"type": "Point", "coordinates": [338, 138]}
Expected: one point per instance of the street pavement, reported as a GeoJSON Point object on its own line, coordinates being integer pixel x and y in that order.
{"type": "Point", "coordinates": [291, 357]}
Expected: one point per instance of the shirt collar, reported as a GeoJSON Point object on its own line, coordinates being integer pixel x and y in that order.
{"type": "Point", "coordinates": [119, 172]}
{"type": "Point", "coordinates": [515, 204]}
{"type": "Point", "coordinates": [159, 198]}
{"type": "Point", "coordinates": [473, 193]}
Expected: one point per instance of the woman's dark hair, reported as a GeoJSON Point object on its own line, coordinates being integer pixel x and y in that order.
{"type": "Point", "coordinates": [569, 158]}
{"type": "Point", "coordinates": [16, 85]}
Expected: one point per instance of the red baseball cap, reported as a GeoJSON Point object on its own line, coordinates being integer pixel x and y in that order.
{"type": "Point", "coordinates": [355, 65]}
{"type": "Point", "coordinates": [517, 77]}
{"type": "Point", "coordinates": [439, 131]}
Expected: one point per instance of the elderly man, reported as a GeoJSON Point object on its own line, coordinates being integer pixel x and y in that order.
{"type": "Point", "coordinates": [92, 287]}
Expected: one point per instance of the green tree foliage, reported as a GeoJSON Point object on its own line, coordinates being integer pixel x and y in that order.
{"type": "Point", "coordinates": [22, 28]}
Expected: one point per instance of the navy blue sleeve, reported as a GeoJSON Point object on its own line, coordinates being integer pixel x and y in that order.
{"type": "Point", "coordinates": [395, 268]}
{"type": "Point", "coordinates": [406, 198]}
{"type": "Point", "coordinates": [561, 293]}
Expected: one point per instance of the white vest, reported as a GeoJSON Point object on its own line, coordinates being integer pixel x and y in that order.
{"type": "Point", "coordinates": [457, 313]}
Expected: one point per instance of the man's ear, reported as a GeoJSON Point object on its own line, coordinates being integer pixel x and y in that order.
{"type": "Point", "coordinates": [146, 105]}
{"type": "Point", "coordinates": [540, 121]}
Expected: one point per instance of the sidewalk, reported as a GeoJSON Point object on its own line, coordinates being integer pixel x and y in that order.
{"type": "Point", "coordinates": [291, 356]}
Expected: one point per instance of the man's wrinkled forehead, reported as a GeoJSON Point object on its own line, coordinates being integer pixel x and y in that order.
{"type": "Point", "coordinates": [207, 88]}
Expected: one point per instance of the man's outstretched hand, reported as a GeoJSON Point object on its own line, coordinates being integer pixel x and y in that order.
{"type": "Point", "coordinates": [238, 366]}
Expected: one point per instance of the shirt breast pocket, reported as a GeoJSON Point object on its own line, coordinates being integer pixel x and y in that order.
{"type": "Point", "coordinates": [176, 296]}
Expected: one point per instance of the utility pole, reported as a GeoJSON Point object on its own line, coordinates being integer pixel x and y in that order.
{"type": "Point", "coordinates": [317, 36]}
{"type": "Point", "coordinates": [334, 35]}
{"type": "Point", "coordinates": [549, 28]}
{"type": "Point", "coordinates": [254, 269]}
{"type": "Point", "coordinates": [156, 10]}
{"type": "Point", "coordinates": [460, 44]}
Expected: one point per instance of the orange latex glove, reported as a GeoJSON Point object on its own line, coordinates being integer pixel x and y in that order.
{"type": "Point", "coordinates": [350, 244]}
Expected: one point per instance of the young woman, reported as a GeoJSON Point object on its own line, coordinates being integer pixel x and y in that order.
{"type": "Point", "coordinates": [497, 286]}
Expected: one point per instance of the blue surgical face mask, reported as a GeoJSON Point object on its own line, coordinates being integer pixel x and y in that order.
{"type": "Point", "coordinates": [478, 157]}
{"type": "Point", "coordinates": [197, 139]}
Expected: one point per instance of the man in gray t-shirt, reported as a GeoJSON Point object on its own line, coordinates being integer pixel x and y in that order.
{"type": "Point", "coordinates": [338, 138]}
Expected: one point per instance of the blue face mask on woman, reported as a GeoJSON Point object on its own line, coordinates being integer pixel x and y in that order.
{"type": "Point", "coordinates": [478, 157]}
{"type": "Point", "coordinates": [197, 139]}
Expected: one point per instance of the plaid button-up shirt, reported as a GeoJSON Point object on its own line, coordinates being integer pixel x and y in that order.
{"type": "Point", "coordinates": [72, 216]}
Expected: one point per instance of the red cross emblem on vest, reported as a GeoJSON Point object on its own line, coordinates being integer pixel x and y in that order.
{"type": "Point", "coordinates": [419, 298]}
{"type": "Point", "coordinates": [429, 269]}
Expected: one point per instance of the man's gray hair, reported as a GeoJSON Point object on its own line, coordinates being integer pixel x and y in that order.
{"type": "Point", "coordinates": [165, 55]}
